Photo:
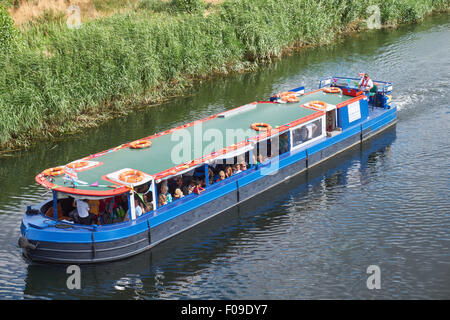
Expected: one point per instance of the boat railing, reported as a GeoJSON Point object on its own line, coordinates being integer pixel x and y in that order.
{"type": "Point", "coordinates": [384, 87]}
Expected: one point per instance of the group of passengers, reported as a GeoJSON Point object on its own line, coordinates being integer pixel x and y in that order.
{"type": "Point", "coordinates": [115, 209]}
{"type": "Point", "coordinates": [181, 186]}
{"type": "Point", "coordinates": [109, 210]}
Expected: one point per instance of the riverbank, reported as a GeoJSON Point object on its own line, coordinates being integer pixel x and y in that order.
{"type": "Point", "coordinates": [56, 80]}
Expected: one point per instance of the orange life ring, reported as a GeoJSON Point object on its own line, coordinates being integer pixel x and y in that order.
{"type": "Point", "coordinates": [261, 126]}
{"type": "Point", "coordinates": [290, 98]}
{"type": "Point", "coordinates": [286, 93]}
{"type": "Point", "coordinates": [139, 144]}
{"type": "Point", "coordinates": [332, 90]}
{"type": "Point", "coordinates": [56, 171]}
{"type": "Point", "coordinates": [131, 176]}
{"type": "Point", "coordinates": [318, 104]}
{"type": "Point", "coordinates": [78, 164]}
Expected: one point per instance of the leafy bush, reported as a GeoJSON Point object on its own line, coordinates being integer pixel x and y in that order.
{"type": "Point", "coordinates": [7, 30]}
{"type": "Point", "coordinates": [189, 6]}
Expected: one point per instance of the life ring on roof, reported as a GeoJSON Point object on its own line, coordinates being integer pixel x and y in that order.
{"type": "Point", "coordinates": [140, 144]}
{"type": "Point", "coordinates": [131, 176]}
{"type": "Point", "coordinates": [290, 98]}
{"type": "Point", "coordinates": [286, 93]}
{"type": "Point", "coordinates": [318, 104]}
{"type": "Point", "coordinates": [56, 171]}
{"type": "Point", "coordinates": [332, 90]}
{"type": "Point", "coordinates": [260, 126]}
{"type": "Point", "coordinates": [77, 164]}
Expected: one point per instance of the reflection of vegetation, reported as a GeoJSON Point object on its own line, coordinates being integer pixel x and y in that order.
{"type": "Point", "coordinates": [57, 80]}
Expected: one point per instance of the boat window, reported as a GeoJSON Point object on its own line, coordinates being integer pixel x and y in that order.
{"type": "Point", "coordinates": [175, 188]}
{"type": "Point", "coordinates": [306, 132]}
{"type": "Point", "coordinates": [263, 151]}
{"type": "Point", "coordinates": [101, 211]}
{"type": "Point", "coordinates": [194, 181]}
{"type": "Point", "coordinates": [113, 209]}
{"type": "Point", "coordinates": [225, 168]}
{"type": "Point", "coordinates": [64, 207]}
{"type": "Point", "coordinates": [280, 144]}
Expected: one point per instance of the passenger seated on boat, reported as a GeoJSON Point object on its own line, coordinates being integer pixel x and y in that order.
{"type": "Point", "coordinates": [94, 209]}
{"type": "Point", "coordinates": [105, 217]}
{"type": "Point", "coordinates": [138, 209]}
{"type": "Point", "coordinates": [236, 168]}
{"type": "Point", "coordinates": [163, 183]}
{"type": "Point", "coordinates": [221, 176]}
{"type": "Point", "coordinates": [122, 207]}
{"type": "Point", "coordinates": [162, 200]}
{"type": "Point", "coordinates": [148, 201]}
{"type": "Point", "coordinates": [178, 194]}
{"type": "Point", "coordinates": [144, 202]}
{"type": "Point", "coordinates": [81, 213]}
{"type": "Point", "coordinates": [164, 191]}
{"type": "Point", "coordinates": [228, 171]}
{"type": "Point", "coordinates": [198, 188]}
{"type": "Point", "coordinates": [210, 176]}
{"type": "Point", "coordinates": [115, 209]}
{"type": "Point", "coordinates": [243, 166]}
{"type": "Point", "coordinates": [191, 186]}
{"type": "Point", "coordinates": [180, 185]}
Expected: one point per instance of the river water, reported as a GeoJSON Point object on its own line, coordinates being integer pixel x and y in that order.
{"type": "Point", "coordinates": [313, 237]}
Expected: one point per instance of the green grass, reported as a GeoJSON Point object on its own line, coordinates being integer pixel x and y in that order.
{"type": "Point", "coordinates": [55, 80]}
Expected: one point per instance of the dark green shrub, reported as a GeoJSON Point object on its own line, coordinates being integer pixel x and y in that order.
{"type": "Point", "coordinates": [189, 6]}
{"type": "Point", "coordinates": [7, 30]}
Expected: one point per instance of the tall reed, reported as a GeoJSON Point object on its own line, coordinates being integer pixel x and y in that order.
{"type": "Point", "coordinates": [56, 79]}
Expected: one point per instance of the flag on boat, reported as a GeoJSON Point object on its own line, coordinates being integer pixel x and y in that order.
{"type": "Point", "coordinates": [71, 175]}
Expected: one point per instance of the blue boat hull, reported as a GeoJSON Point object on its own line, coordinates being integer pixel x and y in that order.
{"type": "Point", "coordinates": [47, 240]}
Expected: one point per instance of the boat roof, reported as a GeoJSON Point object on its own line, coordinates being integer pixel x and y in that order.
{"type": "Point", "coordinates": [162, 159]}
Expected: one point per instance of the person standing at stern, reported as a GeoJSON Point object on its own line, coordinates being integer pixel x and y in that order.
{"type": "Point", "coordinates": [365, 84]}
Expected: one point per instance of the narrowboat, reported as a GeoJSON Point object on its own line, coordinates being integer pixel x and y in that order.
{"type": "Point", "coordinates": [125, 200]}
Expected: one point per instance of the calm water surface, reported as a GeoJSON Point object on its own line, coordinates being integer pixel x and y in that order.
{"type": "Point", "coordinates": [385, 203]}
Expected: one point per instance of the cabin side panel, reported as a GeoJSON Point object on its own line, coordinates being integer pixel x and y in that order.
{"type": "Point", "coordinates": [194, 216]}
{"type": "Point", "coordinates": [266, 181]}
{"type": "Point", "coordinates": [331, 146]}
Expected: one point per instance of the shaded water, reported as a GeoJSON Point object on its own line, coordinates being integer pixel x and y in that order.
{"type": "Point", "coordinates": [311, 237]}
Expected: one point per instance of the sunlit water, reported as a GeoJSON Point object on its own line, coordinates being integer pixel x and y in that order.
{"type": "Point", "coordinates": [312, 237]}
